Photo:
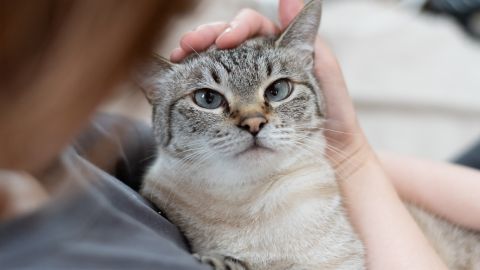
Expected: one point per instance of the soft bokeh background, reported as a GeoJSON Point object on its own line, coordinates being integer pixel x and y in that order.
{"type": "Point", "coordinates": [414, 76]}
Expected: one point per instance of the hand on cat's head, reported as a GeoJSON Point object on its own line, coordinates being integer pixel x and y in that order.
{"type": "Point", "coordinates": [345, 136]}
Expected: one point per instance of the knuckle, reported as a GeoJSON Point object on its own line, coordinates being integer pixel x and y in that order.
{"type": "Point", "coordinates": [248, 12]}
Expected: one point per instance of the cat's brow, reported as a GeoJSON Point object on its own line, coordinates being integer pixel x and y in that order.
{"type": "Point", "coordinates": [269, 69]}
{"type": "Point", "coordinates": [215, 76]}
{"type": "Point", "coordinates": [314, 92]}
{"type": "Point", "coordinates": [226, 67]}
{"type": "Point", "coordinates": [171, 107]}
{"type": "Point", "coordinates": [219, 60]}
{"type": "Point", "coordinates": [234, 57]}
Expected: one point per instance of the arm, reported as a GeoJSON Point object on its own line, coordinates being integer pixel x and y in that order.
{"type": "Point", "coordinates": [448, 190]}
{"type": "Point", "coordinates": [392, 238]}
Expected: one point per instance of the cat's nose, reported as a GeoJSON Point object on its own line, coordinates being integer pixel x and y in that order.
{"type": "Point", "coordinates": [253, 124]}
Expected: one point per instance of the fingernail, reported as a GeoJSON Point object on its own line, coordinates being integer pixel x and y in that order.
{"type": "Point", "coordinates": [234, 24]}
{"type": "Point", "coordinates": [226, 31]}
{"type": "Point", "coordinates": [230, 28]}
{"type": "Point", "coordinates": [199, 27]}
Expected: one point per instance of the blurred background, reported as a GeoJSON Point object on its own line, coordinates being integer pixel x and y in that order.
{"type": "Point", "coordinates": [412, 66]}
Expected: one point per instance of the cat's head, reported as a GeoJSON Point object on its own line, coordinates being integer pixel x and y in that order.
{"type": "Point", "coordinates": [259, 102]}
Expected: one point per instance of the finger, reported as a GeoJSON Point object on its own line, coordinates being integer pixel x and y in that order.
{"type": "Point", "coordinates": [287, 10]}
{"type": "Point", "coordinates": [200, 39]}
{"type": "Point", "coordinates": [248, 23]}
{"type": "Point", "coordinates": [177, 55]}
{"type": "Point", "coordinates": [339, 105]}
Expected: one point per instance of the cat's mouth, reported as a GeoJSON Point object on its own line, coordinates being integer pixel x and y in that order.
{"type": "Point", "coordinates": [255, 148]}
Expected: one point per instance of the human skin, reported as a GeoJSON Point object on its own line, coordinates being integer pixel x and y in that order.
{"type": "Point", "coordinates": [392, 238]}
{"type": "Point", "coordinates": [20, 194]}
{"type": "Point", "coordinates": [449, 190]}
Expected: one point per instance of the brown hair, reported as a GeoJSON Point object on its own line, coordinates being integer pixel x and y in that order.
{"type": "Point", "coordinates": [60, 59]}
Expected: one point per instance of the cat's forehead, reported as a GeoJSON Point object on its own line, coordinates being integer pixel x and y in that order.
{"type": "Point", "coordinates": [246, 57]}
{"type": "Point", "coordinates": [242, 70]}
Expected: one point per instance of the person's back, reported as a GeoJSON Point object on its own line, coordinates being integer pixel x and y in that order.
{"type": "Point", "coordinates": [96, 221]}
{"type": "Point", "coordinates": [65, 209]}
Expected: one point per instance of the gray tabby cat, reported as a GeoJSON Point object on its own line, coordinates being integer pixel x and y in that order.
{"type": "Point", "coordinates": [241, 167]}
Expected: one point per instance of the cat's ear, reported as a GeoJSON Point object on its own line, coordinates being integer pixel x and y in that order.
{"type": "Point", "coordinates": [148, 74]}
{"type": "Point", "coordinates": [302, 31]}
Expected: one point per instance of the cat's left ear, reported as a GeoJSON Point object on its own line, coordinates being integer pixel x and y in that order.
{"type": "Point", "coordinates": [302, 31]}
{"type": "Point", "coordinates": [149, 73]}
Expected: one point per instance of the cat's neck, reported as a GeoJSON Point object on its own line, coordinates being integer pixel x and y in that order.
{"type": "Point", "coordinates": [229, 183]}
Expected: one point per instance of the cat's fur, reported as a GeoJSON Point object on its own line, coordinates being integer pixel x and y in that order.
{"type": "Point", "coordinates": [272, 207]}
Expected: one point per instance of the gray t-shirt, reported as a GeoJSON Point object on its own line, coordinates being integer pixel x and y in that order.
{"type": "Point", "coordinates": [97, 222]}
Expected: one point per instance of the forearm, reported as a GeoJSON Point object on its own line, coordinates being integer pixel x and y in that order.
{"type": "Point", "coordinates": [391, 237]}
{"type": "Point", "coordinates": [448, 190]}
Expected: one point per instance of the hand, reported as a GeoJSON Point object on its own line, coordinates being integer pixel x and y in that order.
{"type": "Point", "coordinates": [20, 194]}
{"type": "Point", "coordinates": [392, 238]}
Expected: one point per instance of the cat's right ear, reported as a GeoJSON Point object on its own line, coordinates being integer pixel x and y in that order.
{"type": "Point", "coordinates": [148, 74]}
{"type": "Point", "coordinates": [302, 31]}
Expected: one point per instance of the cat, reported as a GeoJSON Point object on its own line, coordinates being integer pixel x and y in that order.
{"type": "Point", "coordinates": [241, 166]}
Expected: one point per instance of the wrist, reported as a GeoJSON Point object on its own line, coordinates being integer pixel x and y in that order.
{"type": "Point", "coordinates": [384, 225]}
{"type": "Point", "coordinates": [366, 179]}
{"type": "Point", "coordinates": [357, 160]}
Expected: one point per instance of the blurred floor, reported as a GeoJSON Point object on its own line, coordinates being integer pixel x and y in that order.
{"type": "Point", "coordinates": [415, 78]}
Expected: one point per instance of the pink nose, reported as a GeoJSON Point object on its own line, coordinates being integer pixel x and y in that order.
{"type": "Point", "coordinates": [253, 124]}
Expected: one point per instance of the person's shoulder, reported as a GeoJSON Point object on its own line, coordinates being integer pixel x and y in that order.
{"type": "Point", "coordinates": [121, 146]}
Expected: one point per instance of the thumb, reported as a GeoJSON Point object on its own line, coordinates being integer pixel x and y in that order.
{"type": "Point", "coordinates": [287, 10]}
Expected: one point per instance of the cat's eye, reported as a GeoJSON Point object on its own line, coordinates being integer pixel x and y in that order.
{"type": "Point", "coordinates": [208, 99]}
{"type": "Point", "coordinates": [278, 90]}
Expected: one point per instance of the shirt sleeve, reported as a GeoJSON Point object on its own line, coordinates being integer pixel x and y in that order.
{"type": "Point", "coordinates": [119, 146]}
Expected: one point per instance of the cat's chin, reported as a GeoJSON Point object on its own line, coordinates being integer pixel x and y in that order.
{"type": "Point", "coordinates": [255, 151]}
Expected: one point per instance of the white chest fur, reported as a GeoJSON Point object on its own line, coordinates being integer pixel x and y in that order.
{"type": "Point", "coordinates": [291, 219]}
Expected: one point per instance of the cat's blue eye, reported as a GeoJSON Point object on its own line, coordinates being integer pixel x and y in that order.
{"type": "Point", "coordinates": [208, 99]}
{"type": "Point", "coordinates": [278, 90]}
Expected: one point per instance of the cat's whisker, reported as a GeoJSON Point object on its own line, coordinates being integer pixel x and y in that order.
{"type": "Point", "coordinates": [183, 165]}
{"type": "Point", "coordinates": [313, 152]}
{"type": "Point", "coordinates": [340, 153]}
{"type": "Point", "coordinates": [335, 162]}
{"type": "Point", "coordinates": [327, 146]}
{"type": "Point", "coordinates": [338, 131]}
{"type": "Point", "coordinates": [192, 49]}
{"type": "Point", "coordinates": [348, 163]}
{"type": "Point", "coordinates": [195, 159]}
{"type": "Point", "coordinates": [147, 158]}
{"type": "Point", "coordinates": [308, 144]}
{"type": "Point", "coordinates": [188, 159]}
